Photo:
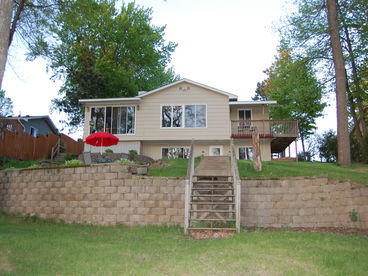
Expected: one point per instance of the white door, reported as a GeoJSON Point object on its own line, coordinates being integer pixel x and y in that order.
{"type": "Point", "coordinates": [215, 150]}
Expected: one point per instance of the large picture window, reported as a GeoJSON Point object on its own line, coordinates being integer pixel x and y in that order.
{"type": "Point", "coordinates": [115, 120]}
{"type": "Point", "coordinates": [178, 116]}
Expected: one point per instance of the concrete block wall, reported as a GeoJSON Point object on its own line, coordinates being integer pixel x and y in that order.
{"type": "Point", "coordinates": [108, 194]}
{"type": "Point", "coordinates": [99, 194]}
{"type": "Point", "coordinates": [304, 202]}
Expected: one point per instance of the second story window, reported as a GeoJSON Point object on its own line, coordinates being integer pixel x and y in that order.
{"type": "Point", "coordinates": [179, 116]}
{"type": "Point", "coordinates": [115, 120]}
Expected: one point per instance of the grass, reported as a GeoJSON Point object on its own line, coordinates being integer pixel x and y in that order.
{"type": "Point", "coordinates": [357, 173]}
{"type": "Point", "coordinates": [17, 164]}
{"type": "Point", "coordinates": [177, 168]}
{"type": "Point", "coordinates": [34, 247]}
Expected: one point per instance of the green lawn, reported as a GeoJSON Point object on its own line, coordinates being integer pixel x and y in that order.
{"type": "Point", "coordinates": [48, 248]}
{"type": "Point", "coordinates": [357, 173]}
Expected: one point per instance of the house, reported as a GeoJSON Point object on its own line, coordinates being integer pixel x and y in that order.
{"type": "Point", "coordinates": [162, 122]}
{"type": "Point", "coordinates": [32, 125]}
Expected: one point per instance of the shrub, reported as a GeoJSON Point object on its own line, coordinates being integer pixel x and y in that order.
{"type": "Point", "coordinates": [124, 161]}
{"type": "Point", "coordinates": [70, 156]}
{"type": "Point", "coordinates": [132, 154]}
{"type": "Point", "coordinates": [109, 151]}
{"type": "Point", "coordinates": [34, 166]}
{"type": "Point", "coordinates": [73, 163]}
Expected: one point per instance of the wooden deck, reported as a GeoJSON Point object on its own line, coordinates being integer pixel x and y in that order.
{"type": "Point", "coordinates": [214, 166]}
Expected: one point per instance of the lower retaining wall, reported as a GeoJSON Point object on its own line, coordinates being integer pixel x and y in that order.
{"type": "Point", "coordinates": [99, 194]}
{"type": "Point", "coordinates": [110, 194]}
{"type": "Point", "coordinates": [304, 202]}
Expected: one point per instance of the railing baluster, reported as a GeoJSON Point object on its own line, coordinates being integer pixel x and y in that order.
{"type": "Point", "coordinates": [274, 128]}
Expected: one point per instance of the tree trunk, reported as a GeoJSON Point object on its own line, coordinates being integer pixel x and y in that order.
{"type": "Point", "coordinates": [257, 162]}
{"type": "Point", "coordinates": [356, 80]}
{"type": "Point", "coordinates": [6, 8]}
{"type": "Point", "coordinates": [343, 143]}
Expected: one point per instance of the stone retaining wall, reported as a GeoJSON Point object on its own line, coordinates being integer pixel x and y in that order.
{"type": "Point", "coordinates": [99, 194]}
{"type": "Point", "coordinates": [304, 202]}
{"type": "Point", "coordinates": [108, 194]}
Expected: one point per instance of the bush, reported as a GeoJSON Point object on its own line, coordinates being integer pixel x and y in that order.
{"type": "Point", "coordinates": [132, 154]}
{"type": "Point", "coordinates": [124, 161]}
{"type": "Point", "coordinates": [70, 156]}
{"type": "Point", "coordinates": [34, 166]}
{"type": "Point", "coordinates": [73, 163]}
{"type": "Point", "coordinates": [109, 151]}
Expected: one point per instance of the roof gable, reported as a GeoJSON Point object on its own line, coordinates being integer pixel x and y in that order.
{"type": "Point", "coordinates": [231, 96]}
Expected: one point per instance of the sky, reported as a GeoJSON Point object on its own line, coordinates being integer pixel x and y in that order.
{"type": "Point", "coordinates": [226, 44]}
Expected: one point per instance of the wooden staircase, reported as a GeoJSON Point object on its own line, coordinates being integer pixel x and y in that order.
{"type": "Point", "coordinates": [212, 195]}
{"type": "Point", "coordinates": [212, 204]}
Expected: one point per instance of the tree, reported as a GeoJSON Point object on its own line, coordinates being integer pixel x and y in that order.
{"type": "Point", "coordinates": [327, 146]}
{"type": "Point", "coordinates": [293, 84]}
{"type": "Point", "coordinates": [307, 33]}
{"type": "Point", "coordinates": [343, 143]}
{"type": "Point", "coordinates": [6, 105]}
{"type": "Point", "coordinates": [101, 52]}
{"type": "Point", "coordinates": [5, 20]}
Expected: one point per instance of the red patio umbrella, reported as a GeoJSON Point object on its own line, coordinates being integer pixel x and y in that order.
{"type": "Point", "coordinates": [102, 139]}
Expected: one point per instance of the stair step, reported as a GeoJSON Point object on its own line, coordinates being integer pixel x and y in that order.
{"type": "Point", "coordinates": [212, 211]}
{"type": "Point", "coordinates": [212, 189]}
{"type": "Point", "coordinates": [212, 182]}
{"type": "Point", "coordinates": [224, 220]}
{"type": "Point", "coordinates": [212, 203]}
{"type": "Point", "coordinates": [208, 228]}
{"type": "Point", "coordinates": [206, 195]}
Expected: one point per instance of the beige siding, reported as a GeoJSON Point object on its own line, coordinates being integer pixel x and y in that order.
{"type": "Point", "coordinates": [149, 116]}
{"type": "Point", "coordinates": [121, 147]}
{"type": "Point", "coordinates": [259, 112]}
{"type": "Point", "coordinates": [265, 147]}
{"type": "Point", "coordinates": [154, 150]}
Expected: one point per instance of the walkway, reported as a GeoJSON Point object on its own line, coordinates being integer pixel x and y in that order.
{"type": "Point", "coordinates": [214, 166]}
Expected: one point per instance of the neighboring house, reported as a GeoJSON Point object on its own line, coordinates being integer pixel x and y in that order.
{"type": "Point", "coordinates": [32, 125]}
{"type": "Point", "coordinates": [162, 122]}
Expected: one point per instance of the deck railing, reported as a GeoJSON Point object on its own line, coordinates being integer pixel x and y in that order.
{"type": "Point", "coordinates": [265, 128]}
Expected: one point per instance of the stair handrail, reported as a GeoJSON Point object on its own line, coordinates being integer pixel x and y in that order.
{"type": "Point", "coordinates": [188, 187]}
{"type": "Point", "coordinates": [237, 186]}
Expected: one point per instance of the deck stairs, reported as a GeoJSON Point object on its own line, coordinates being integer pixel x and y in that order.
{"type": "Point", "coordinates": [212, 196]}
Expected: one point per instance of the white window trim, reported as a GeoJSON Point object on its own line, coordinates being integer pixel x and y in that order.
{"type": "Point", "coordinates": [112, 106]}
{"type": "Point", "coordinates": [183, 108]}
{"type": "Point", "coordinates": [168, 147]}
{"type": "Point", "coordinates": [245, 109]}
{"type": "Point", "coordinates": [237, 152]}
{"type": "Point", "coordinates": [212, 147]}
{"type": "Point", "coordinates": [35, 131]}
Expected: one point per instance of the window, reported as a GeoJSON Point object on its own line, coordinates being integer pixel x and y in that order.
{"type": "Point", "coordinates": [245, 153]}
{"type": "Point", "coordinates": [194, 116]}
{"type": "Point", "coordinates": [33, 132]}
{"type": "Point", "coordinates": [115, 120]}
{"type": "Point", "coordinates": [175, 152]}
{"type": "Point", "coordinates": [215, 150]}
{"type": "Point", "coordinates": [244, 114]}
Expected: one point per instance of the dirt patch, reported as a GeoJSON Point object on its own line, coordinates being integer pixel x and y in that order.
{"type": "Point", "coordinates": [211, 234]}
{"type": "Point", "coordinates": [333, 230]}
{"type": "Point", "coordinates": [158, 164]}
{"type": "Point", "coordinates": [363, 170]}
{"type": "Point", "coordinates": [5, 265]}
